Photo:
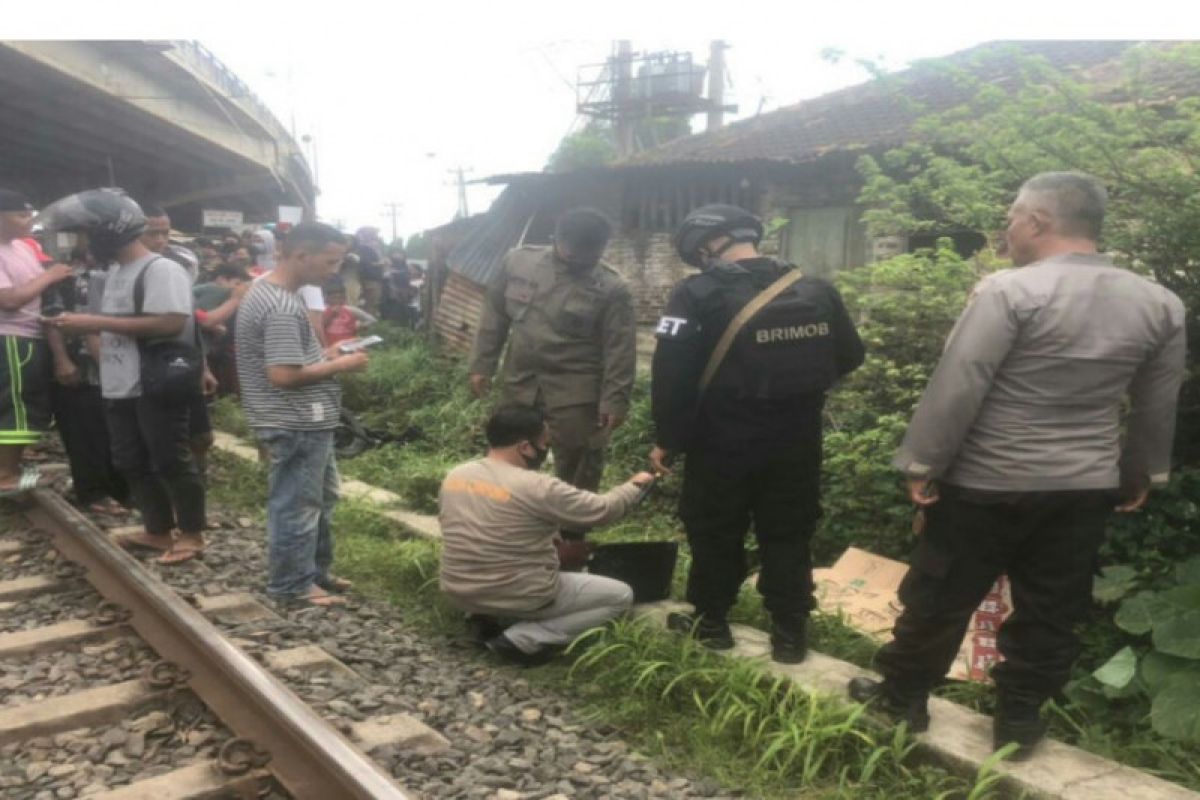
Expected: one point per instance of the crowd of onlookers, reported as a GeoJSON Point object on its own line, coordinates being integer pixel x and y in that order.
{"type": "Point", "coordinates": [135, 324]}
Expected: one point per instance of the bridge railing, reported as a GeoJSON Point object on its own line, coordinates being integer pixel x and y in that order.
{"type": "Point", "coordinates": [204, 61]}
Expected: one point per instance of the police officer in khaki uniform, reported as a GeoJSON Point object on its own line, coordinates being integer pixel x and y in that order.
{"type": "Point", "coordinates": [568, 320]}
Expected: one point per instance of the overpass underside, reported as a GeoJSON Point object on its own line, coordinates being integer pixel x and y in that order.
{"type": "Point", "coordinates": [163, 120]}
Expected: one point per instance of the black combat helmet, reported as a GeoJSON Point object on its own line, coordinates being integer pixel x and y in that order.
{"type": "Point", "coordinates": [706, 223]}
{"type": "Point", "coordinates": [109, 217]}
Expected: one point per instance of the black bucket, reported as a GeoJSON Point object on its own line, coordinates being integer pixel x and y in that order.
{"type": "Point", "coordinates": [646, 566]}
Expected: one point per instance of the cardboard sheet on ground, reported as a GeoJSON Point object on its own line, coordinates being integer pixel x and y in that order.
{"type": "Point", "coordinates": [863, 587]}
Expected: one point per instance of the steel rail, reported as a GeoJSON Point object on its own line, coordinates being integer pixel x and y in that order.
{"type": "Point", "coordinates": [308, 756]}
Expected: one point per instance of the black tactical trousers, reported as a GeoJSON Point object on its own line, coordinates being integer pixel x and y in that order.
{"type": "Point", "coordinates": [1046, 542]}
{"type": "Point", "coordinates": [722, 495]}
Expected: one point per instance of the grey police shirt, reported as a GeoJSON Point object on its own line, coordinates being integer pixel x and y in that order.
{"type": "Point", "coordinates": [166, 290]}
{"type": "Point", "coordinates": [1027, 394]}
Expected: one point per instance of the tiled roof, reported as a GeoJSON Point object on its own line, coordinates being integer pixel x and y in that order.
{"type": "Point", "coordinates": [879, 112]}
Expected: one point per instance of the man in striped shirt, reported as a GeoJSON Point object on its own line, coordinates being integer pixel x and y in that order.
{"type": "Point", "coordinates": [292, 400]}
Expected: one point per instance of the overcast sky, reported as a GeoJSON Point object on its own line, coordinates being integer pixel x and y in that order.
{"type": "Point", "coordinates": [394, 96]}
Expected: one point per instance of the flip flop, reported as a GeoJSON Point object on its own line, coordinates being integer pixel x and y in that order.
{"type": "Point", "coordinates": [318, 597]}
{"type": "Point", "coordinates": [179, 554]}
{"type": "Point", "coordinates": [27, 482]}
{"type": "Point", "coordinates": [110, 507]}
{"type": "Point", "coordinates": [143, 541]}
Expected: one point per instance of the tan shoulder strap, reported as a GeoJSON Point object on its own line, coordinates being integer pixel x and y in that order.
{"type": "Point", "coordinates": [738, 322]}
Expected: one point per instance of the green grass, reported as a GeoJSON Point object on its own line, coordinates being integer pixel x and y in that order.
{"type": "Point", "coordinates": [227, 416]}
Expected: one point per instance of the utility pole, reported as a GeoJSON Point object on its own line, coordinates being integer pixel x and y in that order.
{"type": "Point", "coordinates": [460, 180]}
{"type": "Point", "coordinates": [622, 69]}
{"type": "Point", "coordinates": [393, 209]}
{"type": "Point", "coordinates": [716, 84]}
{"type": "Point", "coordinates": [316, 171]}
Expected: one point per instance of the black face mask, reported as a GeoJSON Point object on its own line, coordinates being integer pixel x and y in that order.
{"type": "Point", "coordinates": [575, 263]}
{"type": "Point", "coordinates": [536, 462]}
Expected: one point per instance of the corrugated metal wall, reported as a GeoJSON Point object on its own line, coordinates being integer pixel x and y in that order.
{"type": "Point", "coordinates": [458, 313]}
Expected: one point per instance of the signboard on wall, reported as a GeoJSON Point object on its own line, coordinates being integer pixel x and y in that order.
{"type": "Point", "coordinates": [213, 218]}
{"type": "Point", "coordinates": [293, 215]}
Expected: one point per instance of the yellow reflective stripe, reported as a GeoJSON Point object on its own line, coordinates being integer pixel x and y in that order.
{"type": "Point", "coordinates": [14, 380]}
{"type": "Point", "coordinates": [19, 437]}
{"type": "Point", "coordinates": [16, 384]}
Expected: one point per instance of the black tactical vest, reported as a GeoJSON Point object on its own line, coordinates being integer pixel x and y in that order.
{"type": "Point", "coordinates": [784, 350]}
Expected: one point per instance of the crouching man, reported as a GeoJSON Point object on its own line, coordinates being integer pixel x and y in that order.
{"type": "Point", "coordinates": [499, 518]}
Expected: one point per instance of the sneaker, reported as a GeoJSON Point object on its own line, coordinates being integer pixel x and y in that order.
{"type": "Point", "coordinates": [504, 647]}
{"type": "Point", "coordinates": [789, 641]}
{"type": "Point", "coordinates": [913, 711]}
{"type": "Point", "coordinates": [713, 634]}
{"type": "Point", "coordinates": [1021, 723]}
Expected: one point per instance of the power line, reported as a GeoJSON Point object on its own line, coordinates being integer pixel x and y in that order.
{"type": "Point", "coordinates": [460, 180]}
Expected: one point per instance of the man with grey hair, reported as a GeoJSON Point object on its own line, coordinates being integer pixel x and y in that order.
{"type": "Point", "coordinates": [1014, 455]}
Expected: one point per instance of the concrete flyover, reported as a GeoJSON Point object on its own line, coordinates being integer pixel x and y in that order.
{"type": "Point", "coordinates": [164, 120]}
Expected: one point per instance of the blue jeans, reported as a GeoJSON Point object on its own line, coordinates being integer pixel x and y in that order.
{"type": "Point", "coordinates": [302, 490]}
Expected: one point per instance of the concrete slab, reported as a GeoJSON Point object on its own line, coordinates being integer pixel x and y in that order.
{"type": "Point", "coordinates": [55, 637]}
{"type": "Point", "coordinates": [398, 729]}
{"type": "Point", "coordinates": [236, 607]}
{"type": "Point", "coordinates": [201, 781]}
{"type": "Point", "coordinates": [308, 658]}
{"type": "Point", "coordinates": [101, 705]}
{"type": "Point", "coordinates": [357, 490]}
{"type": "Point", "coordinates": [423, 525]}
{"type": "Point", "coordinates": [959, 738]}
{"type": "Point", "coordinates": [32, 584]}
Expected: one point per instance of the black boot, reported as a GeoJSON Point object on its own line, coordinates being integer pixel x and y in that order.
{"type": "Point", "coordinates": [1019, 720]}
{"type": "Point", "coordinates": [504, 647]}
{"type": "Point", "coordinates": [913, 710]}
{"type": "Point", "coordinates": [481, 627]}
{"type": "Point", "coordinates": [789, 638]}
{"type": "Point", "coordinates": [711, 632]}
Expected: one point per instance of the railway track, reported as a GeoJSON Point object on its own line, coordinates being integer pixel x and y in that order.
{"type": "Point", "coordinates": [146, 697]}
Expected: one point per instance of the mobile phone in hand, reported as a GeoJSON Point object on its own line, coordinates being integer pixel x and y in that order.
{"type": "Point", "coordinates": [354, 345]}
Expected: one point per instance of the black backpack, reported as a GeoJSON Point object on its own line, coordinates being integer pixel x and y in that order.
{"type": "Point", "coordinates": [171, 369]}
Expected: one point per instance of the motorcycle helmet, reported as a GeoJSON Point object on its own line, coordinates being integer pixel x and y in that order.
{"type": "Point", "coordinates": [109, 217]}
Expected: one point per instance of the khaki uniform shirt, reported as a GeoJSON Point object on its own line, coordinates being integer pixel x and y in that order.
{"type": "Point", "coordinates": [1028, 392]}
{"type": "Point", "coordinates": [498, 525]}
{"type": "Point", "coordinates": [571, 335]}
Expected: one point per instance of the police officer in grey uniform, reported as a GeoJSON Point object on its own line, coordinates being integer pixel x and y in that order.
{"type": "Point", "coordinates": [568, 320]}
{"type": "Point", "coordinates": [1015, 454]}
{"type": "Point", "coordinates": [752, 436]}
